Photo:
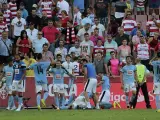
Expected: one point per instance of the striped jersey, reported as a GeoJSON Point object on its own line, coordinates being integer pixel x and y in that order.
{"type": "Point", "coordinates": [129, 24]}
{"type": "Point", "coordinates": [13, 8]}
{"type": "Point", "coordinates": [140, 3]}
{"type": "Point", "coordinates": [47, 7]}
{"type": "Point", "coordinates": [3, 27]}
{"type": "Point", "coordinates": [7, 15]}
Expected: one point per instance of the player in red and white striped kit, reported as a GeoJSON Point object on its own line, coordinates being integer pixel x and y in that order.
{"type": "Point", "coordinates": [13, 8]}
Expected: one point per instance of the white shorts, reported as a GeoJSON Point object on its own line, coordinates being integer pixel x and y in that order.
{"type": "Point", "coordinates": [59, 88]}
{"type": "Point", "coordinates": [43, 87]}
{"type": "Point", "coordinates": [9, 89]}
{"type": "Point", "coordinates": [91, 85]}
{"type": "Point", "coordinates": [105, 96]}
{"type": "Point", "coordinates": [18, 87]}
{"type": "Point", "coordinates": [156, 88]}
{"type": "Point", "coordinates": [129, 87]}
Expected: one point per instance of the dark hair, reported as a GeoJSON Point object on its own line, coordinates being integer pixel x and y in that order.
{"type": "Point", "coordinates": [158, 54]}
{"type": "Point", "coordinates": [39, 56]}
{"type": "Point", "coordinates": [86, 34]}
{"type": "Point", "coordinates": [84, 14]}
{"type": "Point", "coordinates": [96, 28]}
{"type": "Point", "coordinates": [70, 21]}
{"type": "Point", "coordinates": [50, 20]}
{"type": "Point", "coordinates": [45, 44]}
{"type": "Point", "coordinates": [90, 8]}
{"type": "Point", "coordinates": [58, 61]}
{"type": "Point", "coordinates": [58, 55]}
{"type": "Point", "coordinates": [75, 58]}
{"type": "Point", "coordinates": [33, 8]}
{"type": "Point", "coordinates": [63, 11]}
{"type": "Point", "coordinates": [112, 52]}
{"type": "Point", "coordinates": [10, 59]}
{"type": "Point", "coordinates": [68, 56]}
{"type": "Point", "coordinates": [100, 52]}
{"type": "Point", "coordinates": [85, 60]}
{"type": "Point", "coordinates": [128, 57]}
{"type": "Point", "coordinates": [28, 54]}
{"type": "Point", "coordinates": [22, 32]}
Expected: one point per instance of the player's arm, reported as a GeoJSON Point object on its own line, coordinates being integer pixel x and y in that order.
{"type": "Point", "coordinates": [3, 74]}
{"type": "Point", "coordinates": [121, 79]}
{"type": "Point", "coordinates": [152, 60]}
{"type": "Point", "coordinates": [85, 74]}
{"type": "Point", "coordinates": [101, 82]}
{"type": "Point", "coordinates": [24, 74]}
{"type": "Point", "coordinates": [68, 72]}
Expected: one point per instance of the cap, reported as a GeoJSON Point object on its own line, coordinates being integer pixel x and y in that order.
{"type": "Point", "coordinates": [34, 5]}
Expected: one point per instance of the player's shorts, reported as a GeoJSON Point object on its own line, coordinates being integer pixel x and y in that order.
{"type": "Point", "coordinates": [105, 96]}
{"type": "Point", "coordinates": [9, 89]}
{"type": "Point", "coordinates": [129, 87]}
{"type": "Point", "coordinates": [140, 9]}
{"type": "Point", "coordinates": [43, 87]}
{"type": "Point", "coordinates": [59, 88]}
{"type": "Point", "coordinates": [18, 87]}
{"type": "Point", "coordinates": [156, 88]}
{"type": "Point", "coordinates": [91, 85]}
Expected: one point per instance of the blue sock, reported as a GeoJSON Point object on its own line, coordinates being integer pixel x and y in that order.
{"type": "Point", "coordinates": [20, 100]}
{"type": "Point", "coordinates": [71, 98]}
{"type": "Point", "coordinates": [45, 96]}
{"type": "Point", "coordinates": [62, 101]}
{"type": "Point", "coordinates": [56, 101]}
{"type": "Point", "coordinates": [10, 101]}
{"type": "Point", "coordinates": [127, 100]}
{"type": "Point", "coordinates": [38, 99]}
{"type": "Point", "coordinates": [157, 102]}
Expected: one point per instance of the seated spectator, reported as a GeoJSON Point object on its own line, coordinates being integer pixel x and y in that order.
{"type": "Point", "coordinates": [73, 55]}
{"type": "Point", "coordinates": [110, 45]}
{"type": "Point", "coordinates": [140, 4]}
{"type": "Point", "coordinates": [113, 65]}
{"type": "Point", "coordinates": [38, 10]}
{"type": "Point", "coordinates": [77, 16]}
{"type": "Point", "coordinates": [61, 50]}
{"type": "Point", "coordinates": [76, 48]}
{"type": "Point", "coordinates": [99, 26]}
{"type": "Point", "coordinates": [47, 55]}
{"type": "Point", "coordinates": [24, 12]}
{"type": "Point", "coordinates": [90, 14]}
{"type": "Point", "coordinates": [85, 19]}
{"type": "Point", "coordinates": [37, 44]}
{"type": "Point", "coordinates": [76, 65]}
{"type": "Point", "coordinates": [59, 57]}
{"type": "Point", "coordinates": [64, 18]}
{"type": "Point", "coordinates": [96, 36]}
{"type": "Point", "coordinates": [43, 20]}
{"type": "Point", "coordinates": [23, 44]}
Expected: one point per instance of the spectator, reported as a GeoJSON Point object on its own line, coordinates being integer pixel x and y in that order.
{"type": "Point", "coordinates": [140, 4]}
{"type": "Point", "coordinates": [136, 38]}
{"type": "Point", "coordinates": [73, 55]}
{"type": "Point", "coordinates": [128, 3]}
{"type": "Point", "coordinates": [13, 8]}
{"type": "Point", "coordinates": [77, 17]}
{"type": "Point", "coordinates": [100, 65]}
{"type": "Point", "coordinates": [23, 44]}
{"type": "Point", "coordinates": [3, 25]}
{"type": "Point", "coordinates": [82, 31]}
{"type": "Point", "coordinates": [61, 50]}
{"type": "Point", "coordinates": [129, 23]}
{"type": "Point", "coordinates": [109, 45]}
{"type": "Point", "coordinates": [63, 5]}
{"type": "Point", "coordinates": [32, 32]}
{"type": "Point", "coordinates": [43, 20]}
{"type": "Point", "coordinates": [85, 19]}
{"type": "Point", "coordinates": [24, 12]}
{"type": "Point", "coordinates": [75, 49]}
{"type": "Point", "coordinates": [143, 52]}
{"type": "Point", "coordinates": [28, 60]}
{"type": "Point", "coordinates": [38, 10]}
{"type": "Point", "coordinates": [154, 6]}
{"type": "Point", "coordinates": [69, 34]}
{"type": "Point", "coordinates": [47, 56]}
{"type": "Point", "coordinates": [59, 57]}
{"type": "Point", "coordinates": [86, 46]}
{"type": "Point", "coordinates": [99, 26]}
{"type": "Point", "coordinates": [121, 36]}
{"type": "Point", "coordinates": [18, 24]}
{"type": "Point", "coordinates": [102, 10]}
{"type": "Point", "coordinates": [76, 65]}
{"type": "Point", "coordinates": [90, 14]}
{"type": "Point", "coordinates": [64, 18]}
{"type": "Point", "coordinates": [95, 37]}
{"type": "Point", "coordinates": [51, 34]}
{"type": "Point", "coordinates": [123, 51]}
{"type": "Point", "coordinates": [113, 65]}
{"type": "Point", "coordinates": [34, 19]}
{"type": "Point", "coordinates": [6, 14]}
{"type": "Point", "coordinates": [38, 43]}
{"type": "Point", "coordinates": [157, 48]}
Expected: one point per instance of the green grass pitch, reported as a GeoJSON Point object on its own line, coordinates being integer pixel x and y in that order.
{"type": "Point", "coordinates": [80, 115]}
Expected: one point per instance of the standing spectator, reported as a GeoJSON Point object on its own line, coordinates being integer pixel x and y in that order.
{"type": "Point", "coordinates": [140, 4]}
{"type": "Point", "coordinates": [34, 19]}
{"type": "Point", "coordinates": [6, 14]}
{"type": "Point", "coordinates": [86, 46]}
{"type": "Point", "coordinates": [90, 14]}
{"type": "Point", "coordinates": [154, 6]}
{"type": "Point", "coordinates": [128, 3]}
{"type": "Point", "coordinates": [102, 10]}
{"type": "Point", "coordinates": [13, 8]}
{"type": "Point", "coordinates": [3, 25]}
{"type": "Point", "coordinates": [64, 18]}
{"type": "Point", "coordinates": [95, 37]}
{"type": "Point", "coordinates": [51, 34]}
{"type": "Point", "coordinates": [5, 48]}
{"type": "Point", "coordinates": [23, 44]}
{"type": "Point", "coordinates": [113, 65]}
{"type": "Point", "coordinates": [121, 36]}
{"type": "Point", "coordinates": [63, 5]}
{"type": "Point", "coordinates": [85, 19]}
{"type": "Point", "coordinates": [123, 51]}
{"type": "Point", "coordinates": [77, 17]}
{"type": "Point", "coordinates": [32, 32]}
{"type": "Point", "coordinates": [38, 10]}
{"type": "Point", "coordinates": [24, 12]}
{"type": "Point", "coordinates": [43, 20]}
{"type": "Point", "coordinates": [120, 8]}
{"type": "Point", "coordinates": [46, 6]}
{"type": "Point", "coordinates": [75, 49]}
{"type": "Point", "coordinates": [136, 38]}
{"type": "Point", "coordinates": [110, 45]}
{"type": "Point", "coordinates": [143, 52]}
{"type": "Point", "coordinates": [129, 23]}
{"type": "Point", "coordinates": [152, 25]}
{"type": "Point", "coordinates": [82, 31]}
{"type": "Point", "coordinates": [99, 26]}
{"type": "Point", "coordinates": [18, 24]}
{"type": "Point", "coordinates": [100, 65]}
{"type": "Point", "coordinates": [61, 50]}
{"type": "Point", "coordinates": [157, 48]}
{"type": "Point", "coordinates": [47, 56]}
{"type": "Point", "coordinates": [37, 44]}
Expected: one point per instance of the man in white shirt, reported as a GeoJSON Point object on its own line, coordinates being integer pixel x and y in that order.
{"type": "Point", "coordinates": [38, 43]}
{"type": "Point", "coordinates": [99, 26]}
{"type": "Point", "coordinates": [77, 17]}
{"type": "Point", "coordinates": [63, 5]}
{"type": "Point", "coordinates": [32, 32]}
{"type": "Point", "coordinates": [76, 49]}
{"type": "Point", "coordinates": [18, 24]}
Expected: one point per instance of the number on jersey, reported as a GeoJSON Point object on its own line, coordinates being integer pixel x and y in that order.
{"type": "Point", "coordinates": [39, 69]}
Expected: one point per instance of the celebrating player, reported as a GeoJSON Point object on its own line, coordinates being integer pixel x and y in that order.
{"type": "Point", "coordinates": [40, 71]}
{"type": "Point", "coordinates": [127, 77]}
{"type": "Point", "coordinates": [8, 74]}
{"type": "Point", "coordinates": [156, 68]}
{"type": "Point", "coordinates": [58, 82]}
{"type": "Point", "coordinates": [91, 84]}
{"type": "Point", "coordinates": [18, 85]}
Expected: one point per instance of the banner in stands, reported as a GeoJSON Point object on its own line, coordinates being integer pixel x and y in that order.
{"type": "Point", "coordinates": [116, 92]}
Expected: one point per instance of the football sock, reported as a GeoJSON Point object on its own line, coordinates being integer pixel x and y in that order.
{"type": "Point", "coordinates": [127, 100]}
{"type": "Point", "coordinates": [20, 100]}
{"type": "Point", "coordinates": [158, 101]}
{"type": "Point", "coordinates": [10, 101]}
{"type": "Point", "coordinates": [71, 98]}
{"type": "Point", "coordinates": [56, 101]}
{"type": "Point", "coordinates": [16, 98]}
{"type": "Point", "coordinates": [132, 98]}
{"type": "Point", "coordinates": [38, 99]}
{"type": "Point", "coordinates": [45, 96]}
